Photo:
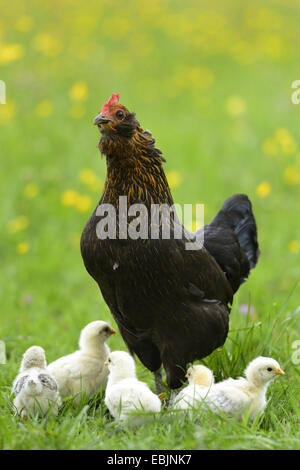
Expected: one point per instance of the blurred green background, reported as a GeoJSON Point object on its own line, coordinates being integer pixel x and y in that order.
{"type": "Point", "coordinates": [211, 80]}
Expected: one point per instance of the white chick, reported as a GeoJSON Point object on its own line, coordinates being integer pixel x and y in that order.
{"type": "Point", "coordinates": [35, 390]}
{"type": "Point", "coordinates": [200, 380]}
{"type": "Point", "coordinates": [235, 396]}
{"type": "Point", "coordinates": [84, 370]}
{"type": "Point", "coordinates": [124, 392]}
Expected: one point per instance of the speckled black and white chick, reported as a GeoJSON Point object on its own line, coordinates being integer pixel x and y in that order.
{"type": "Point", "coordinates": [35, 389]}
{"type": "Point", "coordinates": [124, 392]}
{"type": "Point", "coordinates": [235, 396]}
{"type": "Point", "coordinates": [84, 370]}
{"type": "Point", "coordinates": [200, 380]}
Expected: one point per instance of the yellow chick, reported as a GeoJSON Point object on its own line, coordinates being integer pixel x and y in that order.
{"type": "Point", "coordinates": [84, 370]}
{"type": "Point", "coordinates": [235, 396]}
{"type": "Point", "coordinates": [200, 380]}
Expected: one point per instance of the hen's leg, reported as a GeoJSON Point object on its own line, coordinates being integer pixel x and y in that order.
{"type": "Point", "coordinates": [159, 386]}
{"type": "Point", "coordinates": [173, 396]}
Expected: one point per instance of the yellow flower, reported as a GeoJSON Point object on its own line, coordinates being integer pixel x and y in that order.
{"type": "Point", "coordinates": [263, 18]}
{"type": "Point", "coordinates": [22, 248]}
{"type": "Point", "coordinates": [263, 189]}
{"type": "Point", "coordinates": [77, 111]}
{"type": "Point", "coordinates": [292, 175]}
{"type": "Point", "coordinates": [44, 108]}
{"type": "Point", "coordinates": [272, 46]}
{"type": "Point", "coordinates": [47, 44]}
{"type": "Point", "coordinates": [69, 197]}
{"type": "Point", "coordinates": [174, 179]}
{"type": "Point", "coordinates": [87, 176]}
{"type": "Point", "coordinates": [116, 28]}
{"type": "Point", "coordinates": [83, 203]}
{"type": "Point", "coordinates": [18, 224]}
{"type": "Point", "coordinates": [270, 147]}
{"type": "Point", "coordinates": [286, 141]}
{"type": "Point", "coordinates": [72, 198]}
{"type": "Point", "coordinates": [31, 190]}
{"type": "Point", "coordinates": [294, 246]}
{"type": "Point", "coordinates": [236, 105]}
{"type": "Point", "coordinates": [79, 91]}
{"type": "Point", "coordinates": [10, 53]}
{"type": "Point", "coordinates": [24, 24]}
{"type": "Point", "coordinates": [90, 179]}
{"type": "Point", "coordinates": [7, 112]}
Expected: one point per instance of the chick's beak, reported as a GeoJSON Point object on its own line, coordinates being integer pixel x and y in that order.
{"type": "Point", "coordinates": [106, 363]}
{"type": "Point", "coordinates": [279, 372]}
{"type": "Point", "coordinates": [101, 119]}
{"type": "Point", "coordinates": [113, 332]}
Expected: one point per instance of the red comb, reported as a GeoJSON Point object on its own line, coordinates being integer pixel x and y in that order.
{"type": "Point", "coordinates": [114, 99]}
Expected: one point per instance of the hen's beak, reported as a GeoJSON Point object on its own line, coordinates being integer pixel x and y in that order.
{"type": "Point", "coordinates": [101, 119]}
{"type": "Point", "coordinates": [279, 372]}
{"type": "Point", "coordinates": [106, 363]}
{"type": "Point", "coordinates": [113, 332]}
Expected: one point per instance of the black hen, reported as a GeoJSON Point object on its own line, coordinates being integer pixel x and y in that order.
{"type": "Point", "coordinates": [171, 304]}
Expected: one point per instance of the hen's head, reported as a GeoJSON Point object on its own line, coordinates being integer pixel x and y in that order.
{"type": "Point", "coordinates": [115, 119]}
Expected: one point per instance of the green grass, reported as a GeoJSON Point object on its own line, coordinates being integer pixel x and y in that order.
{"type": "Point", "coordinates": [89, 426]}
{"type": "Point", "coordinates": [178, 72]}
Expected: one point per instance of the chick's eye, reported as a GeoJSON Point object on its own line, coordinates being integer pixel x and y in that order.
{"type": "Point", "coordinates": [119, 113]}
{"type": "Point", "coordinates": [269, 369]}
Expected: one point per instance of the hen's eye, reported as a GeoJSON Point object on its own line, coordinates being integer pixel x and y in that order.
{"type": "Point", "coordinates": [269, 369]}
{"type": "Point", "coordinates": [119, 113]}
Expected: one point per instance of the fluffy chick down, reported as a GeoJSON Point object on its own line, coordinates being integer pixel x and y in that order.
{"type": "Point", "coordinates": [35, 389]}
{"type": "Point", "coordinates": [124, 392]}
{"type": "Point", "coordinates": [236, 396]}
{"type": "Point", "coordinates": [84, 370]}
{"type": "Point", "coordinates": [200, 380]}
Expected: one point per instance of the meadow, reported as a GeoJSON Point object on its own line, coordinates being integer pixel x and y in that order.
{"type": "Point", "coordinates": [213, 83]}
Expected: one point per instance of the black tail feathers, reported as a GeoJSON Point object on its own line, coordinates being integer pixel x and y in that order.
{"type": "Point", "coordinates": [237, 214]}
